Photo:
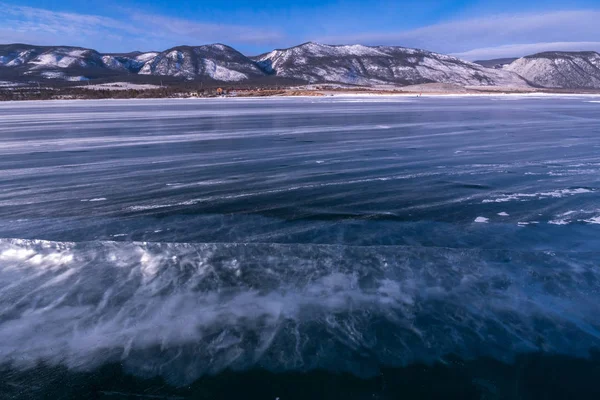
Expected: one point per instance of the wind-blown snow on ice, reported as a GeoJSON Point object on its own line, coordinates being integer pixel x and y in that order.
{"type": "Point", "coordinates": [215, 306]}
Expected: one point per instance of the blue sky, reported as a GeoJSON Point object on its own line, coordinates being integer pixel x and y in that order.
{"type": "Point", "coordinates": [466, 28]}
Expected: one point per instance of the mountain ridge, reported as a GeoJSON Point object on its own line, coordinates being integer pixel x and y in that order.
{"type": "Point", "coordinates": [309, 62]}
{"type": "Point", "coordinates": [363, 65]}
{"type": "Point", "coordinates": [559, 69]}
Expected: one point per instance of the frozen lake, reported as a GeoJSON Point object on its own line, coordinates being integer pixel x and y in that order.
{"type": "Point", "coordinates": [185, 237]}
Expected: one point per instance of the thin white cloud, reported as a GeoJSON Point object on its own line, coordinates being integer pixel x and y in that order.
{"type": "Point", "coordinates": [210, 32]}
{"type": "Point", "coordinates": [135, 31]}
{"type": "Point", "coordinates": [460, 37]}
{"type": "Point", "coordinates": [38, 19]}
{"type": "Point", "coordinates": [519, 50]}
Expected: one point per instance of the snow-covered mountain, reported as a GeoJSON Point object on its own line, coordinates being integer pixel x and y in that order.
{"type": "Point", "coordinates": [365, 65]}
{"type": "Point", "coordinates": [131, 62]}
{"type": "Point", "coordinates": [573, 70]}
{"type": "Point", "coordinates": [216, 61]}
{"type": "Point", "coordinates": [14, 55]}
{"type": "Point", "coordinates": [309, 63]}
{"type": "Point", "coordinates": [64, 62]}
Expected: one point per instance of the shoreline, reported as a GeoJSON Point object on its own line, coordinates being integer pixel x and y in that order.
{"type": "Point", "coordinates": [129, 91]}
{"type": "Point", "coordinates": [328, 95]}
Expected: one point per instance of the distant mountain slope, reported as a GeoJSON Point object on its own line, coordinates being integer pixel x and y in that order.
{"type": "Point", "coordinates": [496, 62]}
{"type": "Point", "coordinates": [132, 62]}
{"type": "Point", "coordinates": [65, 62]}
{"type": "Point", "coordinates": [365, 65]}
{"type": "Point", "coordinates": [216, 61]}
{"type": "Point", "coordinates": [14, 55]}
{"type": "Point", "coordinates": [573, 70]}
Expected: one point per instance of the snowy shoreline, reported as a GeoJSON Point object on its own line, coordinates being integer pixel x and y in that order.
{"type": "Point", "coordinates": [326, 96]}
{"type": "Point", "coordinates": [314, 94]}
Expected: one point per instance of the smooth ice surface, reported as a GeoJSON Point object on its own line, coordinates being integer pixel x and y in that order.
{"type": "Point", "coordinates": [182, 237]}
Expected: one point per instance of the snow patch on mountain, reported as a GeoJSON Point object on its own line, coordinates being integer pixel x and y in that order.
{"type": "Point", "coordinates": [53, 60]}
{"type": "Point", "coordinates": [112, 62]}
{"type": "Point", "coordinates": [220, 73]}
{"type": "Point", "coordinates": [66, 58]}
{"type": "Point", "coordinates": [172, 63]}
{"type": "Point", "coordinates": [18, 58]}
{"type": "Point", "coordinates": [132, 63]}
{"type": "Point", "coordinates": [145, 57]}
